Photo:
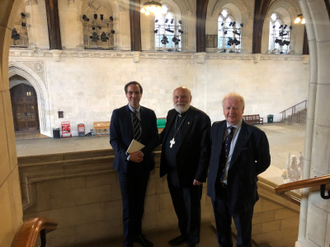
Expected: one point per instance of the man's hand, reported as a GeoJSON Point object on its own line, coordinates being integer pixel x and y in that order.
{"type": "Point", "coordinates": [136, 157]}
{"type": "Point", "coordinates": [197, 182]}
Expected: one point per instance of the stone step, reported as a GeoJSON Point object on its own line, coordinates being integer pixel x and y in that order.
{"type": "Point", "coordinates": [302, 115]}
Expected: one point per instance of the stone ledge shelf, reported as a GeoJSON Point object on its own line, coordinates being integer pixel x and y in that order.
{"type": "Point", "coordinates": [137, 56]}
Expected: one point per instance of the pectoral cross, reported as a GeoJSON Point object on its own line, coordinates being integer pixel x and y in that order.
{"type": "Point", "coordinates": [172, 142]}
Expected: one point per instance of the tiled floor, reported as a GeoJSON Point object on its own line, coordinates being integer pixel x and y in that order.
{"type": "Point", "coordinates": [283, 139]}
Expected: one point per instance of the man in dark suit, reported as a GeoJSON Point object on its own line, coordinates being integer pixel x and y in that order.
{"type": "Point", "coordinates": [239, 152]}
{"type": "Point", "coordinates": [130, 122]}
{"type": "Point", "coordinates": [185, 157]}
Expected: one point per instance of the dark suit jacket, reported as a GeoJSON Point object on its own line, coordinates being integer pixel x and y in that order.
{"type": "Point", "coordinates": [121, 135]}
{"type": "Point", "coordinates": [250, 158]}
{"type": "Point", "coordinates": [193, 151]}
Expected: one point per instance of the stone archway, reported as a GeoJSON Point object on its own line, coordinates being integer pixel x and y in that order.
{"type": "Point", "coordinates": [16, 68]}
{"type": "Point", "coordinates": [315, 211]}
{"type": "Point", "coordinates": [11, 214]}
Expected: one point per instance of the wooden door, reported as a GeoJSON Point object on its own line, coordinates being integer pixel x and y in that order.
{"type": "Point", "coordinates": [25, 107]}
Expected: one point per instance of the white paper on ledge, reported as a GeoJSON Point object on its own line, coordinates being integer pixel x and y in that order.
{"type": "Point", "coordinates": [134, 146]}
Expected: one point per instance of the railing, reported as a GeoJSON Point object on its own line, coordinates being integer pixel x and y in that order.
{"type": "Point", "coordinates": [28, 233]}
{"type": "Point", "coordinates": [305, 183]}
{"type": "Point", "coordinates": [294, 110]}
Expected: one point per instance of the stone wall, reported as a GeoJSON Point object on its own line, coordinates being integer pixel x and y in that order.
{"type": "Point", "coordinates": [276, 217]}
{"type": "Point", "coordinates": [83, 195]}
{"type": "Point", "coordinates": [81, 191]}
{"type": "Point", "coordinates": [88, 85]}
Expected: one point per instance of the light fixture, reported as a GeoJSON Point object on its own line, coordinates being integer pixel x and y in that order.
{"type": "Point", "coordinates": [300, 19]}
{"type": "Point", "coordinates": [151, 7]}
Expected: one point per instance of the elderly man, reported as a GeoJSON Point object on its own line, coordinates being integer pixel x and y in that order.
{"type": "Point", "coordinates": [185, 157]}
{"type": "Point", "coordinates": [239, 153]}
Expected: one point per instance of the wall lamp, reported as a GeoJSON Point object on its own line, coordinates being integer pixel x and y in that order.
{"type": "Point", "coordinates": [300, 19]}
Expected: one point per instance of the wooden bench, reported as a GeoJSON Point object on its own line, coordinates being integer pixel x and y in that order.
{"type": "Point", "coordinates": [102, 128]}
{"type": "Point", "coordinates": [253, 119]}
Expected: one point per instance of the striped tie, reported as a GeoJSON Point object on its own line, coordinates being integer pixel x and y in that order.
{"type": "Point", "coordinates": [228, 141]}
{"type": "Point", "coordinates": [225, 151]}
{"type": "Point", "coordinates": [136, 127]}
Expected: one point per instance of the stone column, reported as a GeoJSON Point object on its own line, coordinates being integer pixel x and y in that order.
{"type": "Point", "coordinates": [201, 10]}
{"type": "Point", "coordinates": [260, 10]}
{"type": "Point", "coordinates": [315, 211]}
{"type": "Point", "coordinates": [135, 26]}
{"type": "Point", "coordinates": [53, 23]}
{"type": "Point", "coordinates": [11, 212]}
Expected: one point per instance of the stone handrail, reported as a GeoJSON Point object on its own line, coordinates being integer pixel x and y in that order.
{"type": "Point", "coordinates": [28, 233]}
{"type": "Point", "coordinates": [322, 181]}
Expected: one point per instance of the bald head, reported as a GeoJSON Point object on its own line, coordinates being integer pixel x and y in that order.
{"type": "Point", "coordinates": [181, 99]}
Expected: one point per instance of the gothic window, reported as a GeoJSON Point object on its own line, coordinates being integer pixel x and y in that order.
{"type": "Point", "coordinates": [279, 35]}
{"type": "Point", "coordinates": [168, 31]}
{"type": "Point", "coordinates": [229, 33]}
{"type": "Point", "coordinates": [19, 33]}
{"type": "Point", "coordinates": [98, 27]}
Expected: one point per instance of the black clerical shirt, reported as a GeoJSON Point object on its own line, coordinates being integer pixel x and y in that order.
{"type": "Point", "coordinates": [176, 132]}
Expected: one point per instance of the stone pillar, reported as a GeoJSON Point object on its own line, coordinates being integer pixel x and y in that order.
{"type": "Point", "coordinates": [260, 10]}
{"type": "Point", "coordinates": [201, 10]}
{"type": "Point", "coordinates": [315, 211]}
{"type": "Point", "coordinates": [135, 26]}
{"type": "Point", "coordinates": [11, 212]}
{"type": "Point", "coordinates": [305, 44]}
{"type": "Point", "coordinates": [53, 23]}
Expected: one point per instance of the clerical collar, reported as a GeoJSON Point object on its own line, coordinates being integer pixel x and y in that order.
{"type": "Point", "coordinates": [237, 126]}
{"type": "Point", "coordinates": [183, 114]}
{"type": "Point", "coordinates": [134, 110]}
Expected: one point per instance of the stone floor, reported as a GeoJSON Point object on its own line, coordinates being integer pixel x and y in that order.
{"type": "Point", "coordinates": [283, 139]}
{"type": "Point", "coordinates": [160, 238]}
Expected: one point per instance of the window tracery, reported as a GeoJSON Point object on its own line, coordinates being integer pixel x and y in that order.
{"type": "Point", "coordinates": [19, 33]}
{"type": "Point", "coordinates": [168, 31]}
{"type": "Point", "coordinates": [279, 35]}
{"type": "Point", "coordinates": [229, 33]}
{"type": "Point", "coordinates": [98, 28]}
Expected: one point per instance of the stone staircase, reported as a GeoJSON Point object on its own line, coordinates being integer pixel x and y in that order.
{"type": "Point", "coordinates": [297, 118]}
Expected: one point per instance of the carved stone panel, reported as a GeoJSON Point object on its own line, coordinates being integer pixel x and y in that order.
{"type": "Point", "coordinates": [211, 40]}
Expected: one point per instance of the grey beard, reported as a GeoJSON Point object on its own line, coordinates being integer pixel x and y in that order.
{"type": "Point", "coordinates": [181, 110]}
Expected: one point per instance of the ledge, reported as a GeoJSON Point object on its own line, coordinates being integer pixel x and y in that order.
{"type": "Point", "coordinates": [113, 54]}
{"type": "Point", "coordinates": [37, 168]}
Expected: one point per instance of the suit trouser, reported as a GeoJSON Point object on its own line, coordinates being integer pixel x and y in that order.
{"type": "Point", "coordinates": [133, 187]}
{"type": "Point", "coordinates": [186, 202]}
{"type": "Point", "coordinates": [223, 219]}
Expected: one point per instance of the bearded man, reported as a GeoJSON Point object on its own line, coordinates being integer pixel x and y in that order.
{"type": "Point", "coordinates": [185, 159]}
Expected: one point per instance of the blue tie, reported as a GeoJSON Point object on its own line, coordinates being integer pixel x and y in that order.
{"type": "Point", "coordinates": [225, 151]}
{"type": "Point", "coordinates": [228, 141]}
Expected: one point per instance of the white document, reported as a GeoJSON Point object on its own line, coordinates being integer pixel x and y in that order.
{"type": "Point", "coordinates": [134, 146]}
